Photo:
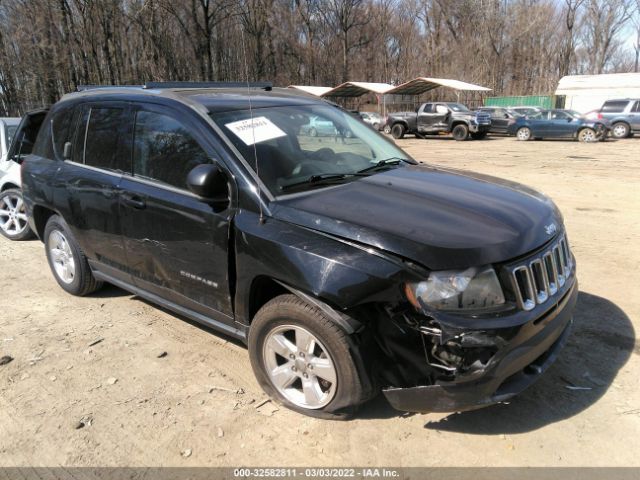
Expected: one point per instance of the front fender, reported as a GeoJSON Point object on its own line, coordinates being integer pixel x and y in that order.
{"type": "Point", "coordinates": [337, 272]}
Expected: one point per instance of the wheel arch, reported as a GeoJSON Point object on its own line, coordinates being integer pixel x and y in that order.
{"type": "Point", "coordinates": [41, 216]}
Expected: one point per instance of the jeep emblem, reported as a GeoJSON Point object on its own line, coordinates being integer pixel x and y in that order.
{"type": "Point", "coordinates": [550, 229]}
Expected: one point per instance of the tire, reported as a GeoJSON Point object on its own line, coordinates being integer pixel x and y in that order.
{"type": "Point", "coordinates": [313, 132]}
{"type": "Point", "coordinates": [68, 263]}
{"type": "Point", "coordinates": [14, 224]}
{"type": "Point", "coordinates": [460, 132]}
{"type": "Point", "coordinates": [523, 134]}
{"type": "Point", "coordinates": [620, 130]}
{"type": "Point", "coordinates": [397, 131]}
{"type": "Point", "coordinates": [386, 129]}
{"type": "Point", "coordinates": [587, 135]}
{"type": "Point", "coordinates": [290, 326]}
{"type": "Point", "coordinates": [479, 135]}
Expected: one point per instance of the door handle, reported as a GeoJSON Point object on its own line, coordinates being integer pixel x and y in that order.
{"type": "Point", "coordinates": [134, 201]}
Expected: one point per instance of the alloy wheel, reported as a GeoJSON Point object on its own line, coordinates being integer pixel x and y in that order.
{"type": "Point", "coordinates": [524, 134]}
{"type": "Point", "coordinates": [620, 131]}
{"type": "Point", "coordinates": [299, 366]}
{"type": "Point", "coordinates": [13, 215]}
{"type": "Point", "coordinates": [61, 256]}
{"type": "Point", "coordinates": [588, 135]}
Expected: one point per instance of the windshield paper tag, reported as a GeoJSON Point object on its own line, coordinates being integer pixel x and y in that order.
{"type": "Point", "coordinates": [262, 129]}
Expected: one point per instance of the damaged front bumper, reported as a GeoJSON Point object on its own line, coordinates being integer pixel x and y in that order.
{"type": "Point", "coordinates": [519, 363]}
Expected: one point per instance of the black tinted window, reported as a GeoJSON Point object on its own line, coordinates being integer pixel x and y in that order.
{"type": "Point", "coordinates": [164, 150]}
{"type": "Point", "coordinates": [102, 137]}
{"type": "Point", "coordinates": [613, 107]}
{"type": "Point", "coordinates": [61, 128]}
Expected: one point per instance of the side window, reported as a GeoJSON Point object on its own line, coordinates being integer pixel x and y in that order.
{"type": "Point", "coordinates": [164, 150]}
{"type": "Point", "coordinates": [102, 139]}
{"type": "Point", "coordinates": [615, 106]}
{"type": "Point", "coordinates": [636, 107]}
{"type": "Point", "coordinates": [62, 130]}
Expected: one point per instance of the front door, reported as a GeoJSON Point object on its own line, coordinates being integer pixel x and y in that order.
{"type": "Point", "coordinates": [176, 243]}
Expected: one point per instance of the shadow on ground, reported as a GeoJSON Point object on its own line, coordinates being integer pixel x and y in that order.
{"type": "Point", "coordinates": [600, 344]}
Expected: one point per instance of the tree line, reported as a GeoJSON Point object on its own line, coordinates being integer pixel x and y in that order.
{"type": "Point", "coordinates": [515, 47]}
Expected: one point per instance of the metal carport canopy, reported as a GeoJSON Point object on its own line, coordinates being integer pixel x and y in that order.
{"type": "Point", "coordinates": [313, 90]}
{"type": "Point", "coordinates": [420, 85]}
{"type": "Point", "coordinates": [357, 89]}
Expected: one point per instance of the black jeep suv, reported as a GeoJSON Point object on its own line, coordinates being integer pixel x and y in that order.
{"type": "Point", "coordinates": [346, 266]}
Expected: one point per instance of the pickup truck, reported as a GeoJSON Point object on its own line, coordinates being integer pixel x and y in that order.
{"type": "Point", "coordinates": [434, 118]}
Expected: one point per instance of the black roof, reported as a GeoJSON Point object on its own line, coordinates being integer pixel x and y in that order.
{"type": "Point", "coordinates": [212, 99]}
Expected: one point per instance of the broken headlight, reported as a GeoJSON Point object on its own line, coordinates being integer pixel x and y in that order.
{"type": "Point", "coordinates": [471, 289]}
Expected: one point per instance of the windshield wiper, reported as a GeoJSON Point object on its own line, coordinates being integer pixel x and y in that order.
{"type": "Point", "coordinates": [385, 163]}
{"type": "Point", "coordinates": [321, 179]}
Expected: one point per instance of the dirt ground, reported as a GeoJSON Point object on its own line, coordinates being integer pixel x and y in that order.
{"type": "Point", "coordinates": [200, 406]}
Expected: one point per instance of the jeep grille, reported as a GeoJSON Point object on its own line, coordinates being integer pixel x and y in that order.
{"type": "Point", "coordinates": [541, 276]}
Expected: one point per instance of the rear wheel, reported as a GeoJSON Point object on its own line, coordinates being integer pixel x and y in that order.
{"type": "Point", "coordinates": [478, 135]}
{"type": "Point", "coordinates": [13, 216]}
{"type": "Point", "coordinates": [460, 132]}
{"type": "Point", "coordinates": [620, 130]}
{"type": "Point", "coordinates": [587, 135]}
{"type": "Point", "coordinates": [68, 263]}
{"type": "Point", "coordinates": [303, 360]}
{"type": "Point", "coordinates": [524, 134]}
{"type": "Point", "coordinates": [397, 131]}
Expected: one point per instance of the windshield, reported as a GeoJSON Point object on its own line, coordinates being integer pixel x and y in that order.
{"type": "Point", "coordinates": [458, 107]}
{"type": "Point", "coordinates": [297, 145]}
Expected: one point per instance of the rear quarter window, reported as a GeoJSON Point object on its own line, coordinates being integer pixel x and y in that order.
{"type": "Point", "coordinates": [614, 107]}
{"type": "Point", "coordinates": [103, 137]}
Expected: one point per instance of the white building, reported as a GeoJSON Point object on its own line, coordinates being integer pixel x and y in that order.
{"type": "Point", "coordinates": [588, 92]}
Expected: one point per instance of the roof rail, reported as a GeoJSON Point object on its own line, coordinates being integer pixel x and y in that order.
{"type": "Point", "coordinates": [265, 85]}
{"type": "Point", "coordinates": [82, 88]}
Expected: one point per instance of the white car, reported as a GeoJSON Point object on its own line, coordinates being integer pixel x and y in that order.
{"type": "Point", "coordinates": [13, 216]}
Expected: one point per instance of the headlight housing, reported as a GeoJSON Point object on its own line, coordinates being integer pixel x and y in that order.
{"type": "Point", "coordinates": [475, 288]}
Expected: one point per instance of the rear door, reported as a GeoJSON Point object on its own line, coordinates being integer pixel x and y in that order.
{"type": "Point", "coordinates": [431, 117]}
{"type": "Point", "coordinates": [88, 181]}
{"type": "Point", "coordinates": [634, 116]}
{"type": "Point", "coordinates": [177, 244]}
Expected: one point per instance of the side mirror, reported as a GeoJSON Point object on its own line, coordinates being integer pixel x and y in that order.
{"type": "Point", "coordinates": [506, 115]}
{"type": "Point", "coordinates": [209, 182]}
{"type": "Point", "coordinates": [570, 119]}
{"type": "Point", "coordinates": [66, 151]}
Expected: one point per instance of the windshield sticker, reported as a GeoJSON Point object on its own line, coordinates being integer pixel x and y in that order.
{"type": "Point", "coordinates": [261, 130]}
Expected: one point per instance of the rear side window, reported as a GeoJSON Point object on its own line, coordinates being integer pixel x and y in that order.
{"type": "Point", "coordinates": [164, 150]}
{"type": "Point", "coordinates": [636, 107]}
{"type": "Point", "coordinates": [614, 106]}
{"type": "Point", "coordinates": [103, 132]}
{"type": "Point", "coordinates": [62, 130]}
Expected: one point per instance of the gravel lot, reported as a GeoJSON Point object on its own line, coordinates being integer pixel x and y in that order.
{"type": "Point", "coordinates": [200, 406]}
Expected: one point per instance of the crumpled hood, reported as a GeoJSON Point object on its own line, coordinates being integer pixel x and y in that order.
{"type": "Point", "coordinates": [439, 218]}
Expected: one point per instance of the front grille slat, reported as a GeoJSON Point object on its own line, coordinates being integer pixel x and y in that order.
{"type": "Point", "coordinates": [541, 276]}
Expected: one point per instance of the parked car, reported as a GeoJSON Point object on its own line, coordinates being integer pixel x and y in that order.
{"type": "Point", "coordinates": [438, 118]}
{"type": "Point", "coordinates": [13, 216]}
{"type": "Point", "coordinates": [559, 124]}
{"type": "Point", "coordinates": [372, 118]}
{"type": "Point", "coordinates": [526, 110]}
{"type": "Point", "coordinates": [318, 126]}
{"type": "Point", "coordinates": [501, 118]}
{"type": "Point", "coordinates": [346, 268]}
{"type": "Point", "coordinates": [624, 116]}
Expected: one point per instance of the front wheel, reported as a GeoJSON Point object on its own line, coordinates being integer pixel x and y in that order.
{"type": "Point", "coordinates": [460, 132]}
{"type": "Point", "coordinates": [303, 360]}
{"type": "Point", "coordinates": [587, 135]}
{"type": "Point", "coordinates": [620, 130]}
{"type": "Point", "coordinates": [13, 216]}
{"type": "Point", "coordinates": [67, 261]}
{"type": "Point", "coordinates": [524, 134]}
